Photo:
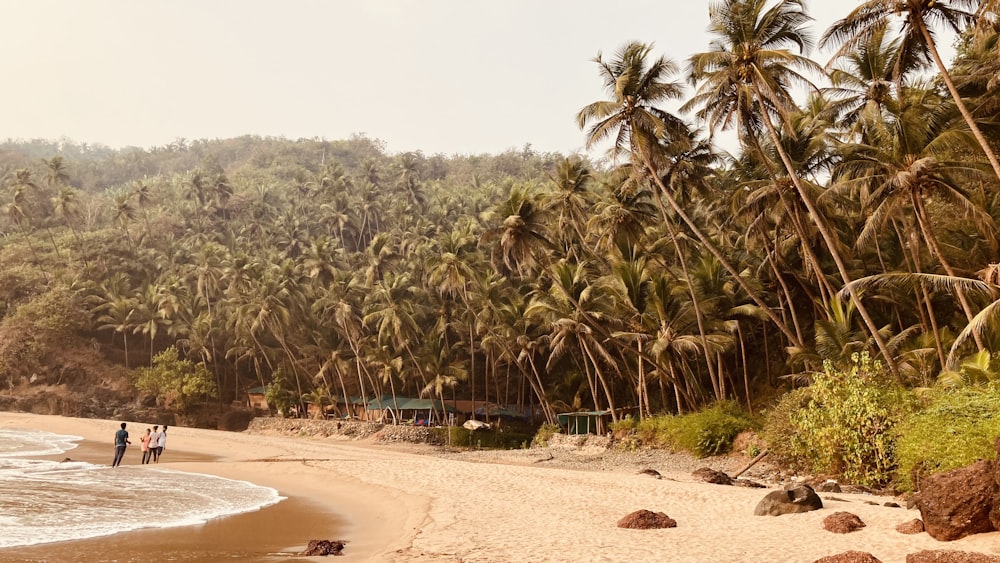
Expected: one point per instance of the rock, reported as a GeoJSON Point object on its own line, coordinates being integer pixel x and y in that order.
{"type": "Point", "coordinates": [749, 484]}
{"type": "Point", "coordinates": [950, 556]}
{"type": "Point", "coordinates": [828, 486]}
{"type": "Point", "coordinates": [891, 504]}
{"type": "Point", "coordinates": [324, 547]}
{"type": "Point", "coordinates": [842, 523]}
{"type": "Point", "coordinates": [914, 526]}
{"type": "Point", "coordinates": [652, 473]}
{"type": "Point", "coordinates": [995, 512]}
{"type": "Point", "coordinates": [647, 520]}
{"type": "Point", "coordinates": [710, 475]}
{"type": "Point", "coordinates": [794, 499]}
{"type": "Point", "coordinates": [957, 503]}
{"type": "Point", "coordinates": [850, 557]}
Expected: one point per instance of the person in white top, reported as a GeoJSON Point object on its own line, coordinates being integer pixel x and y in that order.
{"type": "Point", "coordinates": [161, 443]}
{"type": "Point", "coordinates": [154, 443]}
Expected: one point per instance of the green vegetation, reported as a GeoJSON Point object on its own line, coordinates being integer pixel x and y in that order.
{"type": "Point", "coordinates": [708, 432]}
{"type": "Point", "coordinates": [545, 433]}
{"type": "Point", "coordinates": [176, 382]}
{"type": "Point", "coordinates": [955, 427]}
{"type": "Point", "coordinates": [492, 439]}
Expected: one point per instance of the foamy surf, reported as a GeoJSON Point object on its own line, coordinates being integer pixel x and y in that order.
{"type": "Point", "coordinates": [44, 501]}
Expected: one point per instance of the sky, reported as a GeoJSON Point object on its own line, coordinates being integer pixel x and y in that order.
{"type": "Point", "coordinates": [439, 76]}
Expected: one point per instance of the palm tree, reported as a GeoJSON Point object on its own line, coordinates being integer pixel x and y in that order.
{"type": "Point", "coordinates": [636, 127]}
{"type": "Point", "coordinates": [916, 20]}
{"type": "Point", "coordinates": [746, 79]}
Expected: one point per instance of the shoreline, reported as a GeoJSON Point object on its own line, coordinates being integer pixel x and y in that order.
{"type": "Point", "coordinates": [406, 503]}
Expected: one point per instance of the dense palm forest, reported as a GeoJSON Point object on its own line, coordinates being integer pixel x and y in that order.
{"type": "Point", "coordinates": [859, 214]}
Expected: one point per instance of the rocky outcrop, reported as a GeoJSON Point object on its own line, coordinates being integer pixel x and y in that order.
{"type": "Point", "coordinates": [313, 427]}
{"type": "Point", "coordinates": [794, 499]}
{"type": "Point", "coordinates": [647, 520]}
{"type": "Point", "coordinates": [957, 503]}
{"type": "Point", "coordinates": [850, 557]}
{"type": "Point", "coordinates": [842, 523]}
{"type": "Point", "coordinates": [950, 556]}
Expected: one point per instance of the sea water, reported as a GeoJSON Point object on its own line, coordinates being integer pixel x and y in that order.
{"type": "Point", "coordinates": [45, 501]}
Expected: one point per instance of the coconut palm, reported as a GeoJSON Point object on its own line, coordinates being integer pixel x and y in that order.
{"type": "Point", "coordinates": [746, 79]}
{"type": "Point", "coordinates": [636, 127]}
{"type": "Point", "coordinates": [917, 21]}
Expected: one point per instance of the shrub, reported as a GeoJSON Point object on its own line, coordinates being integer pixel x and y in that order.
{"type": "Point", "coordinates": [848, 426]}
{"type": "Point", "coordinates": [707, 432]}
{"type": "Point", "coordinates": [545, 433]}
{"type": "Point", "coordinates": [494, 438]}
{"type": "Point", "coordinates": [779, 429]}
{"type": "Point", "coordinates": [176, 382]}
{"type": "Point", "coordinates": [956, 428]}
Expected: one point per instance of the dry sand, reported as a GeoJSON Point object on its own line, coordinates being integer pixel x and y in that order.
{"type": "Point", "coordinates": [394, 503]}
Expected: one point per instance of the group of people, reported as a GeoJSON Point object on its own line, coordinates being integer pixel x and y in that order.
{"type": "Point", "coordinates": [152, 444]}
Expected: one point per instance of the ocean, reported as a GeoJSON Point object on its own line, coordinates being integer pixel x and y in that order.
{"type": "Point", "coordinates": [45, 500]}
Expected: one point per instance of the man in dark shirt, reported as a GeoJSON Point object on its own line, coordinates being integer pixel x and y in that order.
{"type": "Point", "coordinates": [121, 441]}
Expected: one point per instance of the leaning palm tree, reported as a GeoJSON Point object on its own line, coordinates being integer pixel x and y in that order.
{"type": "Point", "coordinates": [636, 127]}
{"type": "Point", "coordinates": [916, 20]}
{"type": "Point", "coordinates": [746, 79]}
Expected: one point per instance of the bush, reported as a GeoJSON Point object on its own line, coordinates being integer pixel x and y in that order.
{"type": "Point", "coordinates": [176, 382]}
{"type": "Point", "coordinates": [956, 428]}
{"type": "Point", "coordinates": [848, 426]}
{"type": "Point", "coordinates": [494, 439]}
{"type": "Point", "coordinates": [779, 429]}
{"type": "Point", "coordinates": [545, 433]}
{"type": "Point", "coordinates": [708, 432]}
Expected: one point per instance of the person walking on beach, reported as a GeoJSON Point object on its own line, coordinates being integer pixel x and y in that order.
{"type": "Point", "coordinates": [121, 441]}
{"type": "Point", "coordinates": [154, 442]}
{"type": "Point", "coordinates": [161, 443]}
{"type": "Point", "coordinates": [146, 454]}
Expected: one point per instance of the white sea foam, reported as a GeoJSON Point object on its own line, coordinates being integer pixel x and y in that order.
{"type": "Point", "coordinates": [45, 501]}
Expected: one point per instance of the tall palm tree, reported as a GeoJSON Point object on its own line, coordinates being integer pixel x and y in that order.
{"type": "Point", "coordinates": [746, 79]}
{"type": "Point", "coordinates": [636, 126]}
{"type": "Point", "coordinates": [917, 20]}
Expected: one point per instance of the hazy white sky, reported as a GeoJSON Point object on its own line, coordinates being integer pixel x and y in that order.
{"type": "Point", "coordinates": [441, 76]}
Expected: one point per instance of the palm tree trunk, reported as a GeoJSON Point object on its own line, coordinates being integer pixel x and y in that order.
{"type": "Point", "coordinates": [827, 238]}
{"type": "Point", "coordinates": [718, 256]}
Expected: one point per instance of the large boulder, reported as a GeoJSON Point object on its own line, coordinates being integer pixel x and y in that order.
{"type": "Point", "coordinates": [850, 557]}
{"type": "Point", "coordinates": [647, 520]}
{"type": "Point", "coordinates": [950, 556]}
{"type": "Point", "coordinates": [957, 503]}
{"type": "Point", "coordinates": [794, 499]}
{"type": "Point", "coordinates": [843, 523]}
{"type": "Point", "coordinates": [324, 547]}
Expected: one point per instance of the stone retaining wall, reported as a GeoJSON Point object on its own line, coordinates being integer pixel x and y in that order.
{"type": "Point", "coordinates": [354, 429]}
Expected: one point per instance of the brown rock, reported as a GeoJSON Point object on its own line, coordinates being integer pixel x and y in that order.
{"type": "Point", "coordinates": [995, 511]}
{"type": "Point", "coordinates": [850, 557]}
{"type": "Point", "coordinates": [950, 556]}
{"type": "Point", "coordinates": [828, 486]}
{"type": "Point", "coordinates": [323, 547]}
{"type": "Point", "coordinates": [710, 475]}
{"type": "Point", "coordinates": [842, 523]}
{"type": "Point", "coordinates": [647, 520]}
{"type": "Point", "coordinates": [957, 503]}
{"type": "Point", "coordinates": [794, 499]}
{"type": "Point", "coordinates": [914, 526]}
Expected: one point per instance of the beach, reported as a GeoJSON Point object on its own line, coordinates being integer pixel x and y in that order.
{"type": "Point", "coordinates": [400, 503]}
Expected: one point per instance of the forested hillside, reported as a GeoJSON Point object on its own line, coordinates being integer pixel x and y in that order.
{"type": "Point", "coordinates": [661, 277]}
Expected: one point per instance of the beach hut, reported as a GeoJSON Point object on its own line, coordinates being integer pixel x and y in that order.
{"type": "Point", "coordinates": [585, 422]}
{"type": "Point", "coordinates": [257, 399]}
{"type": "Point", "coordinates": [408, 410]}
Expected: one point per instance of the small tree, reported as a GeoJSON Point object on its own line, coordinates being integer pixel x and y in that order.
{"type": "Point", "coordinates": [847, 426]}
{"type": "Point", "coordinates": [175, 382]}
{"type": "Point", "coordinates": [278, 394]}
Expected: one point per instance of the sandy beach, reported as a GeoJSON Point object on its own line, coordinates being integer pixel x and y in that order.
{"type": "Point", "coordinates": [403, 503]}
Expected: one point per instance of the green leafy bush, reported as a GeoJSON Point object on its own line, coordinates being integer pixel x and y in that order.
{"type": "Point", "coordinates": [779, 429]}
{"type": "Point", "coordinates": [956, 428]}
{"type": "Point", "coordinates": [848, 426]}
{"type": "Point", "coordinates": [496, 439]}
{"type": "Point", "coordinates": [707, 432]}
{"type": "Point", "coordinates": [176, 382]}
